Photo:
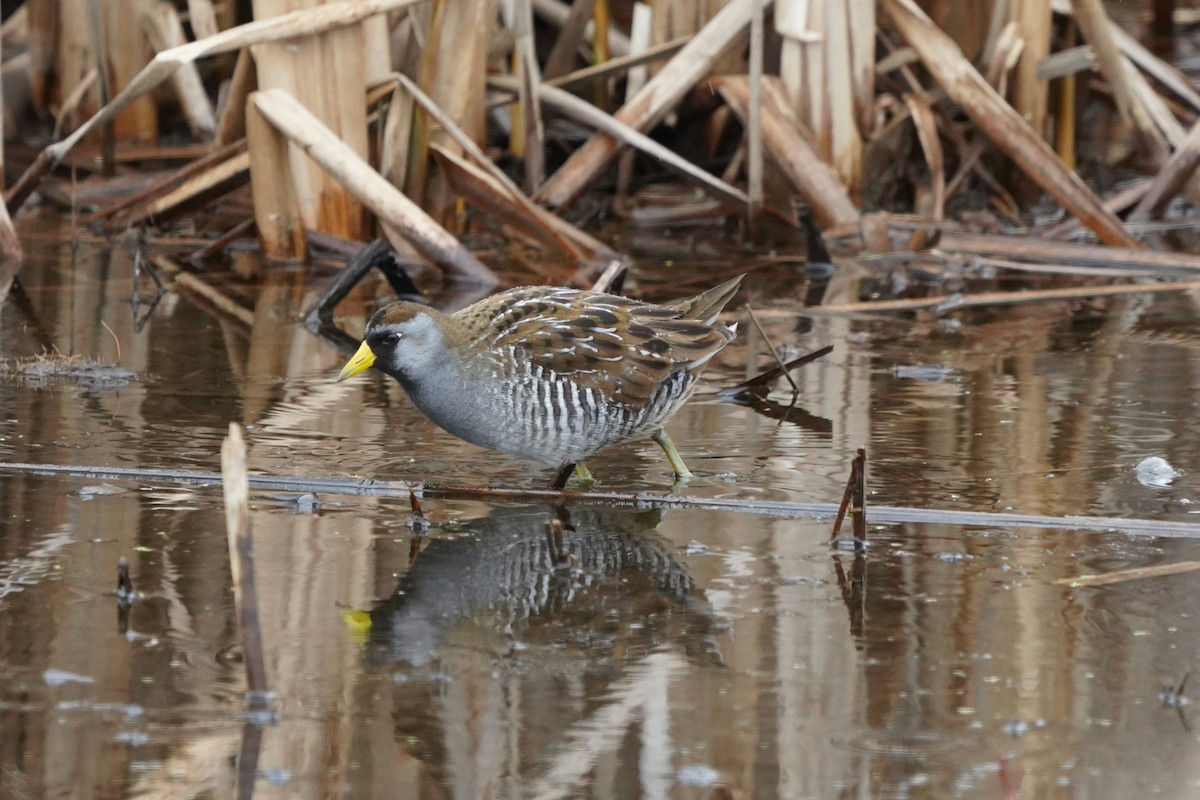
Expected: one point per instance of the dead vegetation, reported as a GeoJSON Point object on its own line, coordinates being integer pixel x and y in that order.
{"type": "Point", "coordinates": [908, 136]}
{"type": "Point", "coordinates": [80, 371]}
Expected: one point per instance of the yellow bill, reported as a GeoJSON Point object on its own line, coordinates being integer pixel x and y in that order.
{"type": "Point", "coordinates": [363, 359]}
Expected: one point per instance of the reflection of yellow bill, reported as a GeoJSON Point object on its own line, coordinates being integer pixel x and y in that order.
{"type": "Point", "coordinates": [363, 359]}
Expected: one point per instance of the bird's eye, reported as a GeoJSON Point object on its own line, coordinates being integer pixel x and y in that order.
{"type": "Point", "coordinates": [390, 339]}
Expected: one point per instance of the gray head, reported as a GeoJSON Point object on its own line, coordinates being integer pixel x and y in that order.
{"type": "Point", "coordinates": [404, 340]}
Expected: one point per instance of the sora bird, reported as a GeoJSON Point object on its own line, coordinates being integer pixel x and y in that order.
{"type": "Point", "coordinates": [550, 374]}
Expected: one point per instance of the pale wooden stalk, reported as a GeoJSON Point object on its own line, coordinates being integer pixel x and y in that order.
{"type": "Point", "coordinates": [814, 83]}
{"type": "Point", "coordinates": [327, 74]}
{"type": "Point", "coordinates": [453, 73]}
{"type": "Point", "coordinates": [308, 134]}
{"type": "Point", "coordinates": [128, 53]}
{"type": "Point", "coordinates": [459, 83]}
{"type": "Point", "coordinates": [236, 487]}
{"type": "Point", "coordinates": [10, 243]}
{"type": "Point", "coordinates": [754, 142]}
{"type": "Point", "coordinates": [164, 30]}
{"type": "Point", "coordinates": [108, 143]}
{"type": "Point", "coordinates": [530, 79]}
{"type": "Point", "coordinates": [276, 212]}
{"type": "Point", "coordinates": [203, 18]}
{"type": "Point", "coordinates": [200, 188]}
{"type": "Point", "coordinates": [1096, 28]}
{"type": "Point", "coordinates": [639, 41]}
{"type": "Point", "coordinates": [465, 145]}
{"type": "Point", "coordinates": [556, 12]}
{"type": "Point", "coordinates": [617, 65]}
{"type": "Point", "coordinates": [1033, 19]}
{"type": "Point", "coordinates": [600, 51]}
{"type": "Point", "coordinates": [590, 115]}
{"type": "Point", "coordinates": [1043, 249]}
{"type": "Point", "coordinates": [651, 104]}
{"type": "Point", "coordinates": [1004, 126]}
{"type": "Point", "coordinates": [921, 108]}
{"type": "Point", "coordinates": [276, 29]}
{"type": "Point", "coordinates": [1171, 179]}
{"type": "Point", "coordinates": [1000, 19]}
{"type": "Point", "coordinates": [397, 132]}
{"type": "Point", "coordinates": [846, 144]}
{"type": "Point", "coordinates": [168, 184]}
{"type": "Point", "coordinates": [784, 137]}
{"type": "Point", "coordinates": [862, 62]}
{"type": "Point", "coordinates": [72, 102]}
{"type": "Point", "coordinates": [491, 196]}
{"type": "Point", "coordinates": [571, 34]}
{"type": "Point", "coordinates": [232, 125]}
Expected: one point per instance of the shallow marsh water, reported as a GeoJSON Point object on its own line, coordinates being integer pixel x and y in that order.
{"type": "Point", "coordinates": [684, 654]}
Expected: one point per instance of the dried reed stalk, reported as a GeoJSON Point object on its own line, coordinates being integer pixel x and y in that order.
{"type": "Point", "coordinates": [327, 74]}
{"type": "Point", "coordinates": [1096, 28]}
{"type": "Point", "coordinates": [388, 203]}
{"type": "Point", "coordinates": [1004, 126]}
{"type": "Point", "coordinates": [494, 198]}
{"type": "Point", "coordinates": [1033, 21]}
{"type": "Point", "coordinates": [293, 25]}
{"type": "Point", "coordinates": [236, 486]}
{"type": "Point", "coordinates": [816, 181]}
{"type": "Point", "coordinates": [164, 30]}
{"type": "Point", "coordinates": [1172, 177]}
{"type": "Point", "coordinates": [585, 112]}
{"type": "Point", "coordinates": [276, 211]}
{"type": "Point", "coordinates": [651, 104]}
{"type": "Point", "coordinates": [10, 243]}
{"type": "Point", "coordinates": [537, 215]}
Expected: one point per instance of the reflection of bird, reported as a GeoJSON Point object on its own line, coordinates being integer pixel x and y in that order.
{"type": "Point", "coordinates": [550, 374]}
{"type": "Point", "coordinates": [625, 584]}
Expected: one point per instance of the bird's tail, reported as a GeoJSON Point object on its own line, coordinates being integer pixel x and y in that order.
{"type": "Point", "coordinates": [705, 307]}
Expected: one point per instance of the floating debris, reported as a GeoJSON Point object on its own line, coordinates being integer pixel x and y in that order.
{"type": "Point", "coordinates": [933, 373]}
{"type": "Point", "coordinates": [1155, 471]}
{"type": "Point", "coordinates": [58, 677]}
{"type": "Point", "coordinates": [83, 372]}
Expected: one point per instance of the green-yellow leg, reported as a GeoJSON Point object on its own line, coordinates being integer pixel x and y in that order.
{"type": "Point", "coordinates": [584, 474]}
{"type": "Point", "coordinates": [663, 440]}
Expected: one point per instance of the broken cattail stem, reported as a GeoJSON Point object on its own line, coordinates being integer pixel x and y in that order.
{"type": "Point", "coordinates": [858, 498]}
{"type": "Point", "coordinates": [414, 506]}
{"type": "Point", "coordinates": [854, 502]}
{"type": "Point", "coordinates": [236, 485]}
{"type": "Point", "coordinates": [754, 139]}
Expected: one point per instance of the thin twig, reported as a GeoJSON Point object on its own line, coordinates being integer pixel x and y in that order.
{"type": "Point", "coordinates": [783, 368]}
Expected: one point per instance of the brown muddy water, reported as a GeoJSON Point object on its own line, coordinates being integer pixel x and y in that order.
{"type": "Point", "coordinates": [685, 653]}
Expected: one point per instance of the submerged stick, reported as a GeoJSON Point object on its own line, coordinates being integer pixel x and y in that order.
{"type": "Point", "coordinates": [366, 487]}
{"type": "Point", "coordinates": [241, 558]}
